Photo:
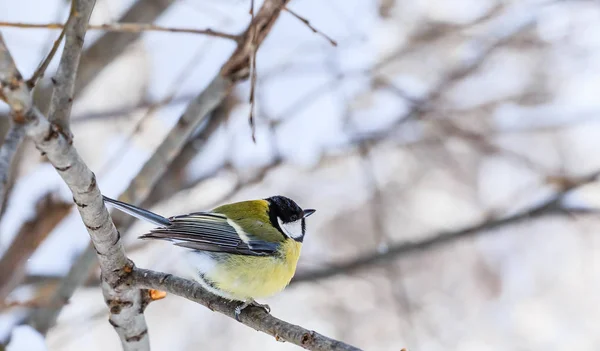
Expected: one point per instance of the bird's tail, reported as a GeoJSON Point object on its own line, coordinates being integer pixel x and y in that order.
{"type": "Point", "coordinates": [137, 212]}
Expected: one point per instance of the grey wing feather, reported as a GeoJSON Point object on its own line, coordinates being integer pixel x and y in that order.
{"type": "Point", "coordinates": [137, 212]}
{"type": "Point", "coordinates": [210, 232]}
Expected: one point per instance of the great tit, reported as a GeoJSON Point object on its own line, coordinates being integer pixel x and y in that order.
{"type": "Point", "coordinates": [240, 251]}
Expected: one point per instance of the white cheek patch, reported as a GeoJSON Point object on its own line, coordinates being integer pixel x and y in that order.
{"type": "Point", "coordinates": [292, 229]}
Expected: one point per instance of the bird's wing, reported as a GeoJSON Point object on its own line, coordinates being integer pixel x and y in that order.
{"type": "Point", "coordinates": [214, 232]}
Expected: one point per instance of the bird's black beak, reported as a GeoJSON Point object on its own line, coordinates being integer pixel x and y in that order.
{"type": "Point", "coordinates": [308, 212]}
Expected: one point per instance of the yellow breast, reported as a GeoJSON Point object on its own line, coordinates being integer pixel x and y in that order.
{"type": "Point", "coordinates": [244, 277]}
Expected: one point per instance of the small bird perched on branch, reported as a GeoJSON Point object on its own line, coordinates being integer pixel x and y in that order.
{"type": "Point", "coordinates": [239, 251]}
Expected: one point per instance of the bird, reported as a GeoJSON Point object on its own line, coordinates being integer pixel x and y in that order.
{"type": "Point", "coordinates": [240, 251]}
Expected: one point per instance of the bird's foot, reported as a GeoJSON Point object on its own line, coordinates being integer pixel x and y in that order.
{"type": "Point", "coordinates": [250, 302]}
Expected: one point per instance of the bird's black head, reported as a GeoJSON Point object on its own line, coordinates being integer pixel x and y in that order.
{"type": "Point", "coordinates": [288, 217]}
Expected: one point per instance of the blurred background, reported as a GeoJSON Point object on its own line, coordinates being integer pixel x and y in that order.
{"type": "Point", "coordinates": [450, 147]}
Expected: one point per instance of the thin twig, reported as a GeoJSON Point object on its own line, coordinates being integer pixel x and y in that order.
{"type": "Point", "coordinates": [126, 305]}
{"type": "Point", "coordinates": [41, 69]}
{"type": "Point", "coordinates": [126, 28]}
{"type": "Point", "coordinates": [251, 99]}
{"type": "Point", "coordinates": [61, 101]}
{"type": "Point", "coordinates": [255, 318]}
{"type": "Point", "coordinates": [307, 23]}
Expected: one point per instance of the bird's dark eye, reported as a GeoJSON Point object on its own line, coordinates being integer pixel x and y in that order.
{"type": "Point", "coordinates": [293, 218]}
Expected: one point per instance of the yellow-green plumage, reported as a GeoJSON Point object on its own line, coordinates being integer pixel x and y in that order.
{"type": "Point", "coordinates": [245, 277]}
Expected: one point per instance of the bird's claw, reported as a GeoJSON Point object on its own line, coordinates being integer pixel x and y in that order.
{"type": "Point", "coordinates": [242, 306]}
{"type": "Point", "coordinates": [265, 307]}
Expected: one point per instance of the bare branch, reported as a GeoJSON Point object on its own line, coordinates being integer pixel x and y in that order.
{"type": "Point", "coordinates": [254, 47]}
{"type": "Point", "coordinates": [15, 93]}
{"type": "Point", "coordinates": [64, 80]}
{"type": "Point", "coordinates": [255, 318]}
{"type": "Point", "coordinates": [12, 140]}
{"type": "Point", "coordinates": [126, 306]}
{"type": "Point", "coordinates": [125, 28]}
{"type": "Point", "coordinates": [552, 206]}
{"type": "Point", "coordinates": [307, 23]}
{"type": "Point", "coordinates": [238, 65]}
{"type": "Point", "coordinates": [39, 72]}
{"type": "Point", "coordinates": [13, 90]}
{"type": "Point", "coordinates": [243, 61]}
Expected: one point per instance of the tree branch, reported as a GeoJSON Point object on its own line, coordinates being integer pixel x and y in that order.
{"type": "Point", "coordinates": [64, 80]}
{"type": "Point", "coordinates": [41, 69]}
{"type": "Point", "coordinates": [126, 306]}
{"type": "Point", "coordinates": [126, 28]}
{"type": "Point", "coordinates": [238, 65]}
{"type": "Point", "coordinates": [311, 27]}
{"type": "Point", "coordinates": [255, 318]}
{"type": "Point", "coordinates": [14, 92]}
{"type": "Point", "coordinates": [552, 206]}
{"type": "Point", "coordinates": [9, 148]}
